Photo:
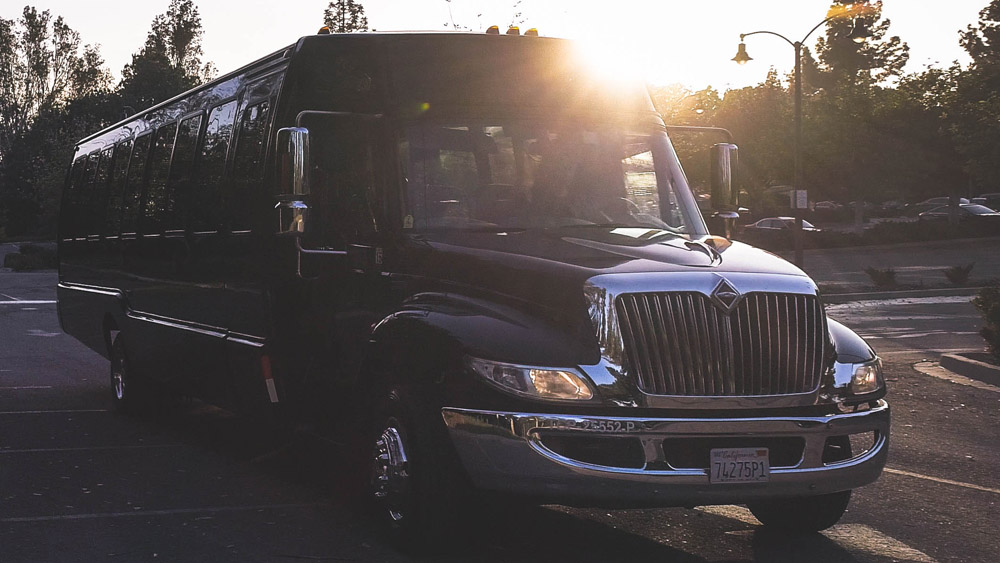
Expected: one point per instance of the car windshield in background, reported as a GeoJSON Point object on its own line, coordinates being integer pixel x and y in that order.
{"type": "Point", "coordinates": [978, 209]}
{"type": "Point", "coordinates": [515, 176]}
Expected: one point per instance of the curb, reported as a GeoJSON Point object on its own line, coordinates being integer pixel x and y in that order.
{"type": "Point", "coordinates": [973, 369]}
{"type": "Point", "coordinates": [837, 298]}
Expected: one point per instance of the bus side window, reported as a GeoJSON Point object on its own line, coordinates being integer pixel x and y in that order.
{"type": "Point", "coordinates": [206, 195]}
{"type": "Point", "coordinates": [98, 202]}
{"type": "Point", "coordinates": [132, 200]}
{"type": "Point", "coordinates": [248, 164]}
{"type": "Point", "coordinates": [159, 206]}
{"type": "Point", "coordinates": [72, 200]}
{"type": "Point", "coordinates": [182, 167]}
{"type": "Point", "coordinates": [116, 194]}
{"type": "Point", "coordinates": [82, 222]}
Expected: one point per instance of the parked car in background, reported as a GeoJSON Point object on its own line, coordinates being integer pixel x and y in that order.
{"type": "Point", "coordinates": [827, 206]}
{"type": "Point", "coordinates": [991, 200]}
{"type": "Point", "coordinates": [943, 200]}
{"type": "Point", "coordinates": [930, 204]}
{"type": "Point", "coordinates": [966, 212]}
{"type": "Point", "coordinates": [775, 224]}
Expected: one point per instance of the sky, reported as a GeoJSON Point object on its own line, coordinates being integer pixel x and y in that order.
{"type": "Point", "coordinates": [689, 42]}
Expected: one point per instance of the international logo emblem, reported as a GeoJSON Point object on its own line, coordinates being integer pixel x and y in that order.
{"type": "Point", "coordinates": [725, 296]}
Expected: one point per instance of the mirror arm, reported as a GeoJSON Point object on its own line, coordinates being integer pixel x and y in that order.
{"type": "Point", "coordinates": [301, 251]}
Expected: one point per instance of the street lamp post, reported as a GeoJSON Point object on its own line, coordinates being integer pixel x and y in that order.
{"type": "Point", "coordinates": [859, 34]}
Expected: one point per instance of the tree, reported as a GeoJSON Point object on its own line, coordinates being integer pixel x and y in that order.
{"type": "Point", "coordinates": [974, 111]}
{"type": "Point", "coordinates": [345, 16]}
{"type": "Point", "coordinates": [170, 61]}
{"type": "Point", "coordinates": [42, 65]}
{"type": "Point", "coordinates": [43, 68]}
{"type": "Point", "coordinates": [878, 59]}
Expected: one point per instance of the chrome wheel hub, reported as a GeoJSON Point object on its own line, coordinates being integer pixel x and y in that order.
{"type": "Point", "coordinates": [391, 476]}
{"type": "Point", "coordinates": [118, 379]}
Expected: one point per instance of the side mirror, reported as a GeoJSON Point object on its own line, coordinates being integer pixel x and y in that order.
{"type": "Point", "coordinates": [293, 176]}
{"type": "Point", "coordinates": [725, 200]}
{"type": "Point", "coordinates": [725, 164]}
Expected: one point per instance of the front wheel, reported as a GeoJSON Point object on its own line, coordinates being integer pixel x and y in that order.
{"type": "Point", "coordinates": [800, 515]}
{"type": "Point", "coordinates": [414, 489]}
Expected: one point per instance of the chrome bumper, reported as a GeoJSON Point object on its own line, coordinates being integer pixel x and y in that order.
{"type": "Point", "coordinates": [506, 452]}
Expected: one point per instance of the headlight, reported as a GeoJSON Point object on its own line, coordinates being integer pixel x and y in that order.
{"type": "Point", "coordinates": [867, 378]}
{"type": "Point", "coordinates": [539, 382]}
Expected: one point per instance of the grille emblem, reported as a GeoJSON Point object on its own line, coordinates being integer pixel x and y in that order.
{"type": "Point", "coordinates": [725, 296]}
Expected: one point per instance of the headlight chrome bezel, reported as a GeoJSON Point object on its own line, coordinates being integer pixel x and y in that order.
{"type": "Point", "coordinates": [543, 383]}
{"type": "Point", "coordinates": [860, 382]}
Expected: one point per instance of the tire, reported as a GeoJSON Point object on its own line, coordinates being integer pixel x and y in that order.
{"type": "Point", "coordinates": [801, 515]}
{"type": "Point", "coordinates": [129, 394]}
{"type": "Point", "coordinates": [415, 494]}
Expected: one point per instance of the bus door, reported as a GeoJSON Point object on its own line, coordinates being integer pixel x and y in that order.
{"type": "Point", "coordinates": [340, 259]}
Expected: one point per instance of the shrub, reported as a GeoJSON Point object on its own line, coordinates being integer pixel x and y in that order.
{"type": "Point", "coordinates": [988, 303]}
{"type": "Point", "coordinates": [882, 278]}
{"type": "Point", "coordinates": [958, 275]}
{"type": "Point", "coordinates": [31, 257]}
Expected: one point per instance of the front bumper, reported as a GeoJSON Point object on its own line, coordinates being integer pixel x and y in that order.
{"type": "Point", "coordinates": [511, 453]}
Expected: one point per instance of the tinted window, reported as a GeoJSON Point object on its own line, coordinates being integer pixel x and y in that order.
{"type": "Point", "coordinates": [159, 206]}
{"type": "Point", "coordinates": [72, 200]}
{"type": "Point", "coordinates": [247, 164]}
{"type": "Point", "coordinates": [206, 196]}
{"type": "Point", "coordinates": [182, 167]}
{"type": "Point", "coordinates": [344, 194]}
{"type": "Point", "coordinates": [133, 189]}
{"type": "Point", "coordinates": [116, 193]}
{"type": "Point", "coordinates": [99, 199]}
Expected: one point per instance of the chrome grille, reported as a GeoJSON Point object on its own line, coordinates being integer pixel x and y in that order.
{"type": "Point", "coordinates": [682, 344]}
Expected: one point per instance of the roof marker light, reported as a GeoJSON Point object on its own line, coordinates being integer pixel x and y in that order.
{"type": "Point", "coordinates": [513, 30]}
{"type": "Point", "coordinates": [493, 30]}
{"type": "Point", "coordinates": [533, 32]}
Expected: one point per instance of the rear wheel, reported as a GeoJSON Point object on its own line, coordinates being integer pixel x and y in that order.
{"type": "Point", "coordinates": [129, 394]}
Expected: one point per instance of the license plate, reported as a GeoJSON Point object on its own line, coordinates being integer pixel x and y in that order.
{"type": "Point", "coordinates": [738, 465]}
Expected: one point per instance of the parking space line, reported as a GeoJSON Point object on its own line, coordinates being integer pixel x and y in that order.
{"type": "Point", "coordinates": [942, 481]}
{"type": "Point", "coordinates": [169, 512]}
{"type": "Point", "coordinates": [9, 296]}
{"type": "Point", "coordinates": [934, 369]}
{"type": "Point", "coordinates": [90, 449]}
{"type": "Point", "coordinates": [28, 302]}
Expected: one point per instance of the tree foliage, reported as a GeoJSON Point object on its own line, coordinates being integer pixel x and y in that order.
{"type": "Point", "coordinates": [345, 16]}
{"type": "Point", "coordinates": [169, 62]}
{"type": "Point", "coordinates": [42, 65]}
{"type": "Point", "coordinates": [973, 102]}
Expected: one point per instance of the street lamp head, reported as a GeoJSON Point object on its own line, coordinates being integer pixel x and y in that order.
{"type": "Point", "coordinates": [860, 33]}
{"type": "Point", "coordinates": [741, 54]}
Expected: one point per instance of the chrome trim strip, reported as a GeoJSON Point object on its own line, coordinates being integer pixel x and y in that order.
{"type": "Point", "coordinates": [108, 291]}
{"type": "Point", "coordinates": [178, 324]}
{"type": "Point", "coordinates": [246, 339]}
{"type": "Point", "coordinates": [205, 330]}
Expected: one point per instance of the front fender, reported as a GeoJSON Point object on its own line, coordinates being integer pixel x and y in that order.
{"type": "Point", "coordinates": [849, 347]}
{"type": "Point", "coordinates": [488, 330]}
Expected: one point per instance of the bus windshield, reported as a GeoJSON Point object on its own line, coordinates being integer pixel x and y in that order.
{"type": "Point", "coordinates": [526, 175]}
